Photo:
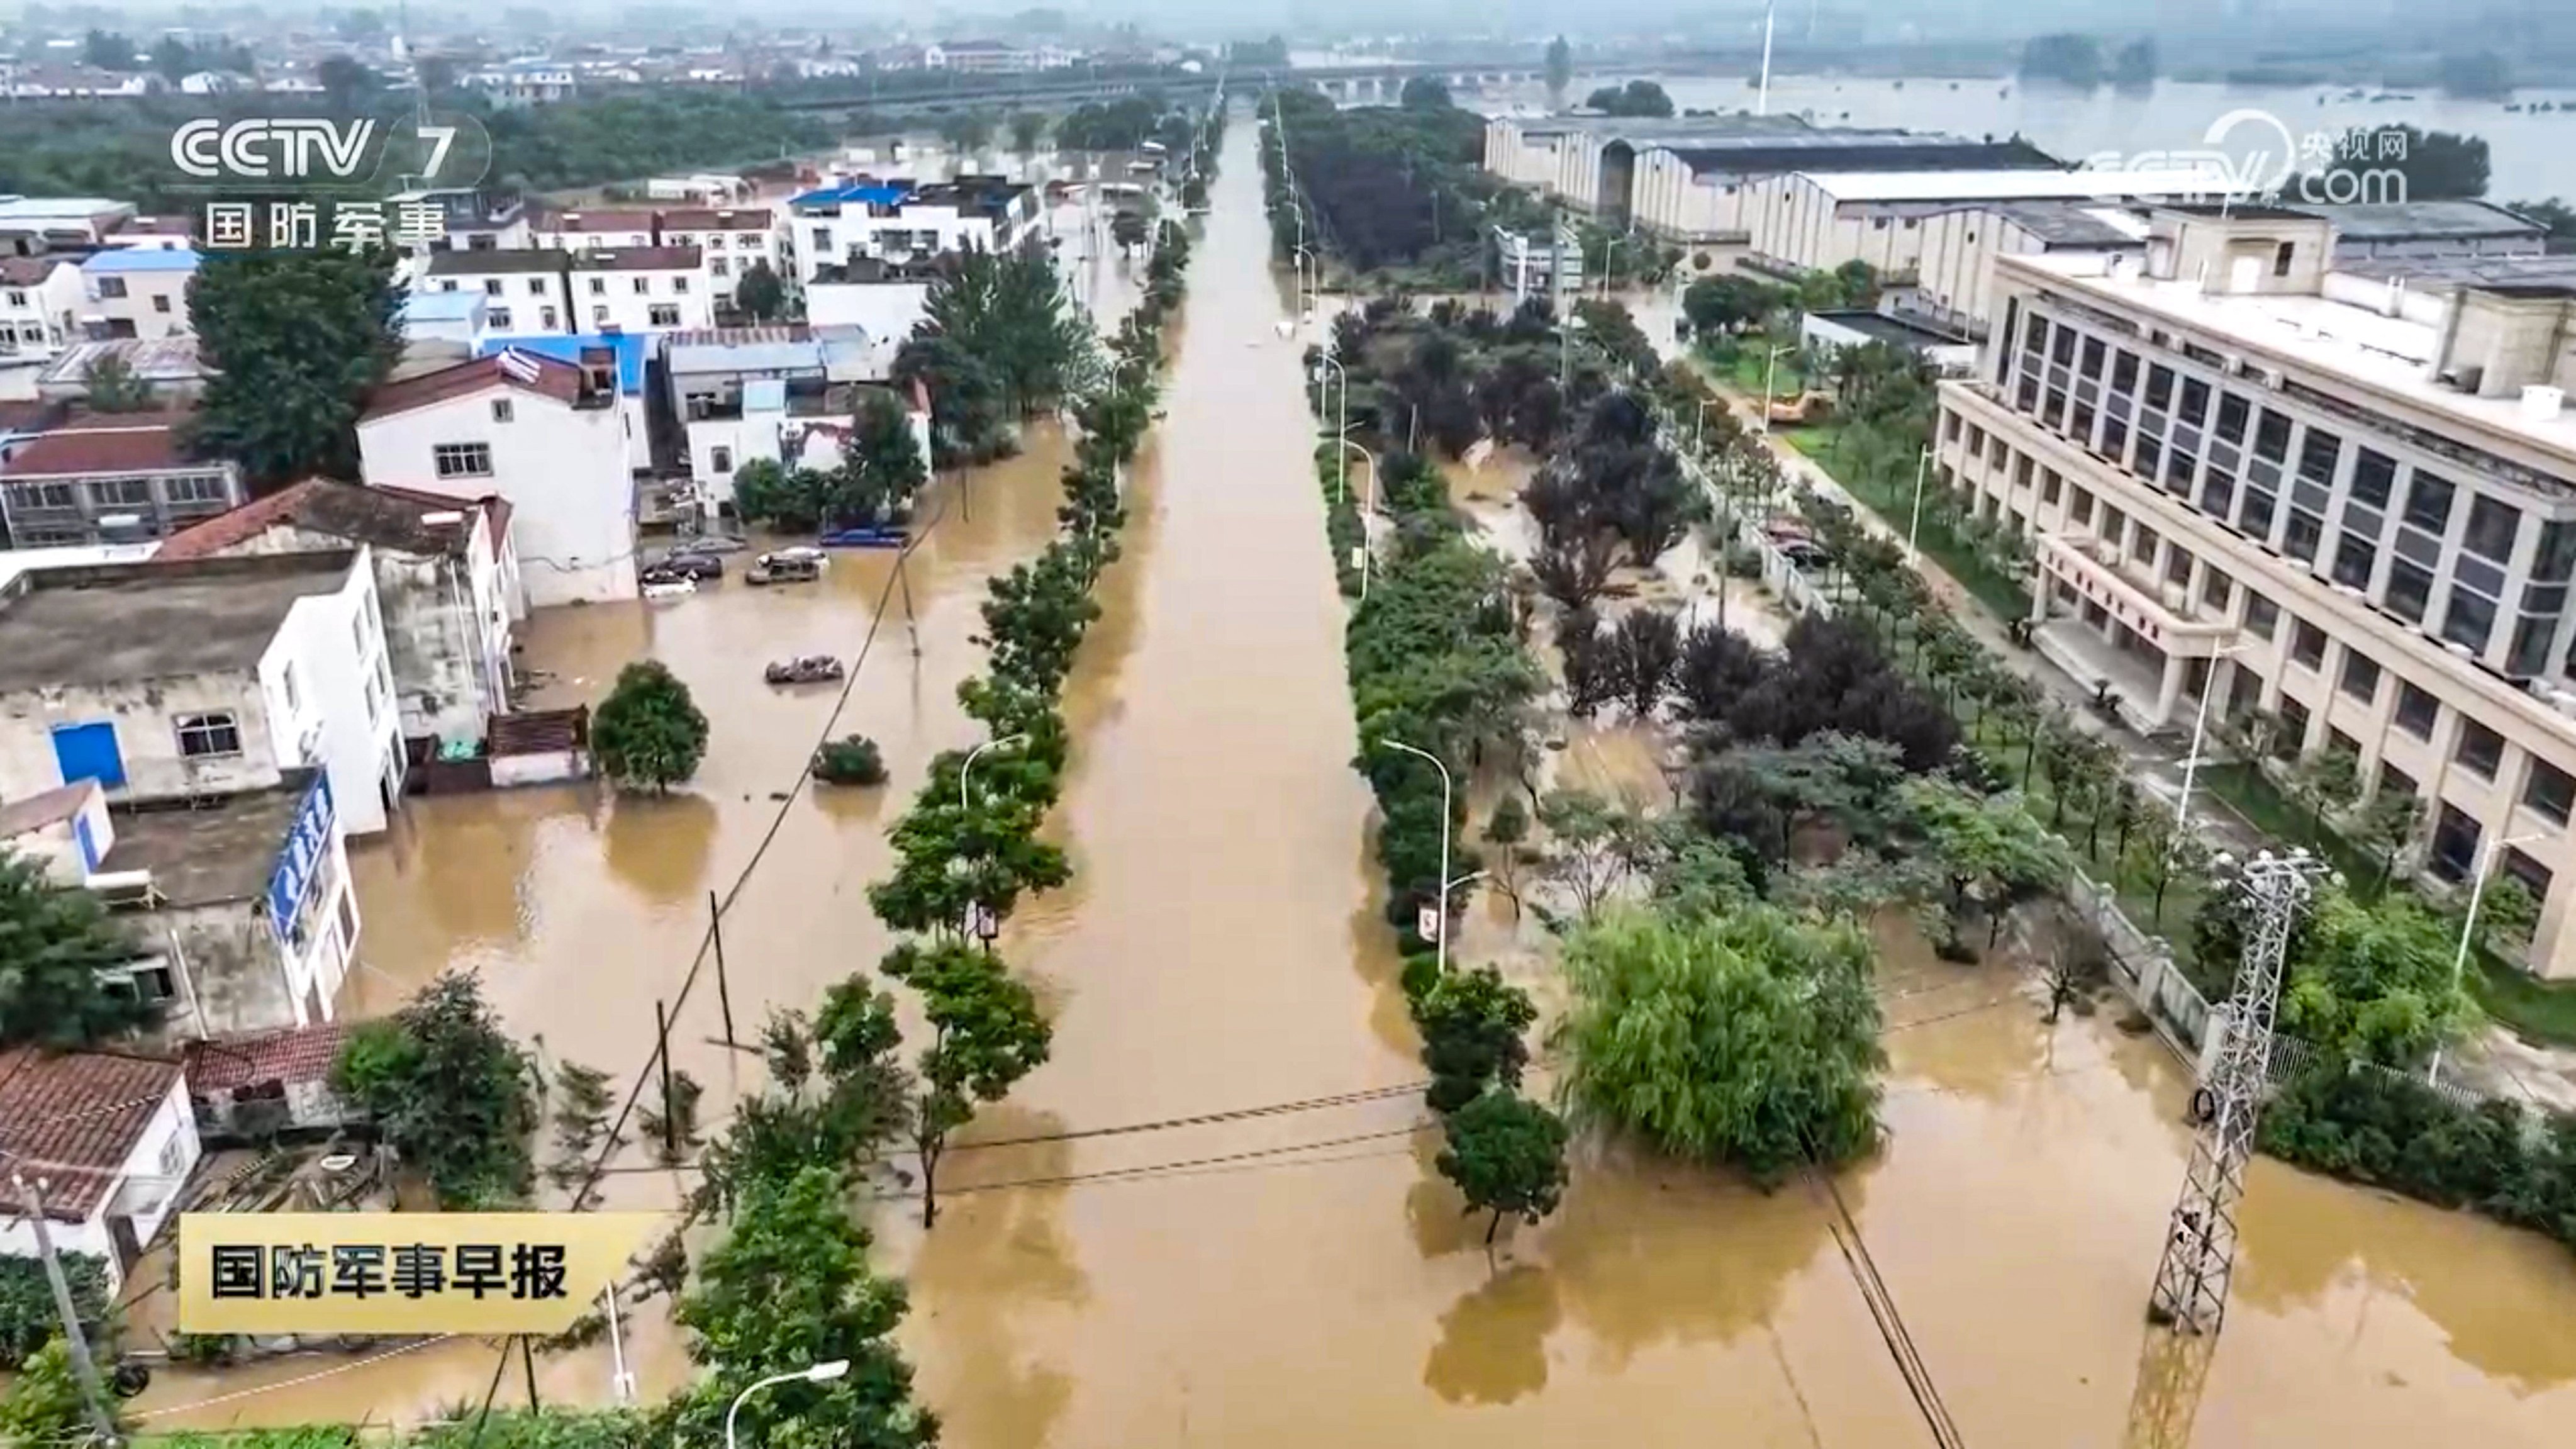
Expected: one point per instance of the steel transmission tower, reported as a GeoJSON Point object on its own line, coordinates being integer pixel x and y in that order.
{"type": "Point", "coordinates": [2200, 1245]}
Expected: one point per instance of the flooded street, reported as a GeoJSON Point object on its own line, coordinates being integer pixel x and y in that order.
{"type": "Point", "coordinates": [1284, 1268]}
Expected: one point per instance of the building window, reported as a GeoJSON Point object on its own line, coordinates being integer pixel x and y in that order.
{"type": "Point", "coordinates": [2307, 643]}
{"type": "Point", "coordinates": [2301, 538]}
{"type": "Point", "coordinates": [499, 318]}
{"type": "Point", "coordinates": [294, 696]}
{"type": "Point", "coordinates": [2417, 710]}
{"type": "Point", "coordinates": [2195, 401]}
{"type": "Point", "coordinates": [2481, 750]}
{"type": "Point", "coordinates": [2317, 455]}
{"type": "Point", "coordinates": [2455, 845]}
{"type": "Point", "coordinates": [462, 460]}
{"type": "Point", "coordinates": [2551, 791]}
{"type": "Point", "coordinates": [546, 318]}
{"type": "Point", "coordinates": [2534, 876]}
{"type": "Point", "coordinates": [121, 492]}
{"type": "Point", "coordinates": [599, 316]}
{"type": "Point", "coordinates": [720, 267]}
{"type": "Point", "coordinates": [2281, 258]}
{"type": "Point", "coordinates": [2254, 512]}
{"type": "Point", "coordinates": [2360, 676]}
{"type": "Point", "coordinates": [196, 488]}
{"type": "Point", "coordinates": [2292, 741]}
{"type": "Point", "coordinates": [2353, 556]}
{"type": "Point", "coordinates": [501, 410]}
{"type": "Point", "coordinates": [2428, 502]}
{"type": "Point", "coordinates": [2492, 525]}
{"type": "Point", "coordinates": [680, 285]}
{"type": "Point", "coordinates": [2216, 590]}
{"type": "Point", "coordinates": [2410, 590]}
{"type": "Point", "coordinates": [2262, 616]}
{"type": "Point", "coordinates": [599, 286]}
{"type": "Point", "coordinates": [2373, 476]}
{"type": "Point", "coordinates": [2050, 485]}
{"type": "Point", "coordinates": [111, 287]}
{"type": "Point", "coordinates": [720, 460]}
{"type": "Point", "coordinates": [2233, 413]}
{"type": "Point", "coordinates": [2470, 620]}
{"type": "Point", "coordinates": [643, 286]}
{"type": "Point", "coordinates": [2124, 372]}
{"type": "Point", "coordinates": [491, 286]}
{"type": "Point", "coordinates": [663, 314]}
{"type": "Point", "coordinates": [209, 736]}
{"type": "Point", "coordinates": [2094, 350]}
{"type": "Point", "coordinates": [2272, 436]}
{"type": "Point", "coordinates": [161, 303]}
{"type": "Point", "coordinates": [536, 286]}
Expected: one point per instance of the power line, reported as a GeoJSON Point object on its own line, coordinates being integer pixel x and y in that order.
{"type": "Point", "coordinates": [1880, 1302]}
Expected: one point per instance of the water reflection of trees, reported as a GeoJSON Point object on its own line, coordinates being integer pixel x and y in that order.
{"type": "Point", "coordinates": [659, 844]}
{"type": "Point", "coordinates": [2503, 1298]}
{"type": "Point", "coordinates": [1493, 1341]}
{"type": "Point", "coordinates": [993, 1254]}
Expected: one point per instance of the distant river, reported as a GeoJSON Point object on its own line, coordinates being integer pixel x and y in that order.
{"type": "Point", "coordinates": [2533, 155]}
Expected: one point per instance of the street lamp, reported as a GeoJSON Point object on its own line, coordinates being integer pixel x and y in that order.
{"type": "Point", "coordinates": [1440, 943]}
{"type": "Point", "coordinates": [821, 1373]}
{"type": "Point", "coordinates": [1914, 529]}
{"type": "Point", "coordinates": [1368, 510]}
{"type": "Point", "coordinates": [1341, 417]}
{"type": "Point", "coordinates": [1768, 364]}
{"type": "Point", "coordinates": [1305, 288]}
{"type": "Point", "coordinates": [1699, 425]}
{"type": "Point", "coordinates": [969, 763]}
{"type": "Point", "coordinates": [2199, 732]}
{"type": "Point", "coordinates": [2469, 928]}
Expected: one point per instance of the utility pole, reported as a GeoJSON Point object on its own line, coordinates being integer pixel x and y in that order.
{"type": "Point", "coordinates": [75, 1338]}
{"type": "Point", "coordinates": [1762, 96]}
{"type": "Point", "coordinates": [1564, 323]}
{"type": "Point", "coordinates": [2200, 1246]}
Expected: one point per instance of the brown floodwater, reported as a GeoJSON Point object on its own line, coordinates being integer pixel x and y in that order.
{"type": "Point", "coordinates": [1303, 1276]}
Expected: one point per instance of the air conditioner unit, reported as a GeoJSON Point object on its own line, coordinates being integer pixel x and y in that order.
{"type": "Point", "coordinates": [123, 887]}
{"type": "Point", "coordinates": [2273, 379]}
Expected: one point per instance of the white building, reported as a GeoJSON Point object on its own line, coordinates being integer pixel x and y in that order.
{"type": "Point", "coordinates": [587, 229]}
{"type": "Point", "coordinates": [899, 223]}
{"type": "Point", "coordinates": [117, 1129]}
{"type": "Point", "coordinates": [546, 435]}
{"type": "Point", "coordinates": [525, 83]}
{"type": "Point", "coordinates": [1953, 284]}
{"type": "Point", "coordinates": [154, 234]}
{"type": "Point", "coordinates": [207, 677]}
{"type": "Point", "coordinates": [41, 299]}
{"type": "Point", "coordinates": [2335, 503]}
{"type": "Point", "coordinates": [137, 292]}
{"type": "Point", "coordinates": [633, 353]}
{"type": "Point", "coordinates": [33, 224]}
{"type": "Point", "coordinates": [734, 239]}
{"type": "Point", "coordinates": [787, 394]}
{"type": "Point", "coordinates": [884, 302]}
{"type": "Point", "coordinates": [446, 577]}
{"type": "Point", "coordinates": [644, 289]}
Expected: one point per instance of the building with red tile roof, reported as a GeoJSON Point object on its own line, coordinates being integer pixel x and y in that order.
{"type": "Point", "coordinates": [111, 478]}
{"type": "Point", "coordinates": [107, 1139]}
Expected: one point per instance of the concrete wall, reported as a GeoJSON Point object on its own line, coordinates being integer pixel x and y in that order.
{"type": "Point", "coordinates": [56, 845]}
{"type": "Point", "coordinates": [889, 310]}
{"type": "Point", "coordinates": [624, 300]}
{"type": "Point", "coordinates": [340, 712]}
{"type": "Point", "coordinates": [240, 976]}
{"type": "Point", "coordinates": [147, 736]}
{"type": "Point", "coordinates": [155, 304]}
{"type": "Point", "coordinates": [563, 469]}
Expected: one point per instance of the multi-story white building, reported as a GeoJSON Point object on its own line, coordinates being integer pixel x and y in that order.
{"type": "Point", "coordinates": [583, 230]}
{"type": "Point", "coordinates": [898, 222]}
{"type": "Point", "coordinates": [735, 239]}
{"type": "Point", "coordinates": [644, 289]}
{"type": "Point", "coordinates": [33, 224]}
{"type": "Point", "coordinates": [41, 298]}
{"type": "Point", "coordinates": [548, 436]}
{"type": "Point", "coordinates": [138, 292]}
{"type": "Point", "coordinates": [121, 1138]}
{"type": "Point", "coordinates": [446, 575]}
{"type": "Point", "coordinates": [787, 394]}
{"type": "Point", "coordinates": [2343, 505]}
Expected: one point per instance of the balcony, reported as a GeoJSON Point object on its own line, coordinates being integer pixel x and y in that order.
{"type": "Point", "coordinates": [2160, 613]}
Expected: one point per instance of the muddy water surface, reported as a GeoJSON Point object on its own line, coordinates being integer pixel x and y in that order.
{"type": "Point", "coordinates": [1302, 1276]}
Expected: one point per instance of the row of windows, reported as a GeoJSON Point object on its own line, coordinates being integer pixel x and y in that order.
{"type": "Point", "coordinates": [537, 287]}
{"type": "Point", "coordinates": [656, 314]}
{"type": "Point", "coordinates": [119, 492]}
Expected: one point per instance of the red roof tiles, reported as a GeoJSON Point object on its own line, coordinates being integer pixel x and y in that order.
{"type": "Point", "coordinates": [97, 446]}
{"type": "Point", "coordinates": [555, 379]}
{"type": "Point", "coordinates": [74, 1119]}
{"type": "Point", "coordinates": [293, 1055]}
{"type": "Point", "coordinates": [383, 517]}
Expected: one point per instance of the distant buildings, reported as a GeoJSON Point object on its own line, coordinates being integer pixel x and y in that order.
{"type": "Point", "coordinates": [638, 289]}
{"type": "Point", "coordinates": [110, 478]}
{"type": "Point", "coordinates": [137, 292]}
{"type": "Point", "coordinates": [899, 221]}
{"type": "Point", "coordinates": [787, 394]}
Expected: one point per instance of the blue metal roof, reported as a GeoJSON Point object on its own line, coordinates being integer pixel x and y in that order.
{"type": "Point", "coordinates": [630, 348]}
{"type": "Point", "coordinates": [142, 259]}
{"type": "Point", "coordinates": [871, 193]}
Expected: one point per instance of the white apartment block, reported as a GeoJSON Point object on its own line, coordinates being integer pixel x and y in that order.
{"type": "Point", "coordinates": [2255, 481]}
{"type": "Point", "coordinates": [733, 239]}
{"type": "Point", "coordinates": [41, 299]}
{"type": "Point", "coordinates": [897, 223]}
{"type": "Point", "coordinates": [137, 292]}
{"type": "Point", "coordinates": [551, 290]}
{"type": "Point", "coordinates": [592, 230]}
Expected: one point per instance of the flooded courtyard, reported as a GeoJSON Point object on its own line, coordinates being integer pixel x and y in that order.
{"type": "Point", "coordinates": [1216, 1221]}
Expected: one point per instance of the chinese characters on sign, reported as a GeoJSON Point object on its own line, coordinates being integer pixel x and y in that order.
{"type": "Point", "coordinates": [307, 841]}
{"type": "Point", "coordinates": [2323, 150]}
{"type": "Point", "coordinates": [399, 1272]}
{"type": "Point", "coordinates": [307, 225]}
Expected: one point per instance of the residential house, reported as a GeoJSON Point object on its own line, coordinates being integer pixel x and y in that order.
{"type": "Point", "coordinates": [174, 682]}
{"type": "Point", "coordinates": [592, 230]}
{"type": "Point", "coordinates": [137, 292]}
{"type": "Point", "coordinates": [41, 299]}
{"type": "Point", "coordinates": [523, 290]}
{"type": "Point", "coordinates": [30, 225]}
{"type": "Point", "coordinates": [883, 300]}
{"type": "Point", "coordinates": [111, 478]}
{"type": "Point", "coordinates": [899, 222]}
{"type": "Point", "coordinates": [632, 351]}
{"type": "Point", "coordinates": [460, 318]}
{"type": "Point", "coordinates": [733, 238]}
{"type": "Point", "coordinates": [470, 219]}
{"type": "Point", "coordinates": [446, 578]}
{"type": "Point", "coordinates": [154, 233]}
{"type": "Point", "coordinates": [113, 1138]}
{"type": "Point", "coordinates": [524, 83]}
{"type": "Point", "coordinates": [546, 435]}
{"type": "Point", "coordinates": [787, 394]}
{"type": "Point", "coordinates": [167, 366]}
{"type": "Point", "coordinates": [641, 289]}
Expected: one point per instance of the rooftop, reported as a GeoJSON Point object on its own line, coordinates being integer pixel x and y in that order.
{"type": "Point", "coordinates": [638, 259]}
{"type": "Point", "coordinates": [2439, 272]}
{"type": "Point", "coordinates": [101, 444]}
{"type": "Point", "coordinates": [2016, 185]}
{"type": "Point", "coordinates": [442, 306]}
{"type": "Point", "coordinates": [619, 220]}
{"type": "Point", "coordinates": [170, 361]}
{"type": "Point", "coordinates": [779, 347]}
{"type": "Point", "coordinates": [21, 210]}
{"type": "Point", "coordinates": [1896, 331]}
{"type": "Point", "coordinates": [1664, 130]}
{"type": "Point", "coordinates": [31, 271]}
{"type": "Point", "coordinates": [2425, 220]}
{"type": "Point", "coordinates": [81, 1115]}
{"type": "Point", "coordinates": [294, 1055]}
{"type": "Point", "coordinates": [141, 259]}
{"type": "Point", "coordinates": [386, 518]}
{"type": "Point", "coordinates": [721, 218]}
{"type": "Point", "coordinates": [1860, 151]}
{"type": "Point", "coordinates": [2073, 223]}
{"type": "Point", "coordinates": [486, 262]}
{"type": "Point", "coordinates": [871, 193]}
{"type": "Point", "coordinates": [211, 853]}
{"type": "Point", "coordinates": [121, 623]}
{"type": "Point", "coordinates": [631, 349]}
{"type": "Point", "coordinates": [50, 807]}
{"type": "Point", "coordinates": [2391, 357]}
{"type": "Point", "coordinates": [531, 372]}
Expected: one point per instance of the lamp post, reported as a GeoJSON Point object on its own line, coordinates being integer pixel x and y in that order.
{"type": "Point", "coordinates": [969, 763]}
{"type": "Point", "coordinates": [1440, 943]}
{"type": "Point", "coordinates": [2469, 928]}
{"type": "Point", "coordinates": [1368, 510]}
{"type": "Point", "coordinates": [1699, 425]}
{"type": "Point", "coordinates": [2199, 733]}
{"type": "Point", "coordinates": [1768, 365]}
{"type": "Point", "coordinates": [821, 1373]}
{"type": "Point", "coordinates": [1341, 419]}
{"type": "Point", "coordinates": [1913, 530]}
{"type": "Point", "coordinates": [1308, 282]}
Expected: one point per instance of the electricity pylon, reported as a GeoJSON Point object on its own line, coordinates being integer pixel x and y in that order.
{"type": "Point", "coordinates": [2200, 1245]}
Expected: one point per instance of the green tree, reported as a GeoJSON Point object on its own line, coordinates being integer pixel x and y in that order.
{"type": "Point", "coordinates": [1560, 70]}
{"type": "Point", "coordinates": [1506, 830]}
{"type": "Point", "coordinates": [1749, 1038]}
{"type": "Point", "coordinates": [2388, 825]}
{"type": "Point", "coordinates": [107, 50]}
{"type": "Point", "coordinates": [1027, 129]}
{"type": "Point", "coordinates": [648, 732]}
{"type": "Point", "coordinates": [966, 130]}
{"type": "Point", "coordinates": [787, 1288]}
{"type": "Point", "coordinates": [790, 499]}
{"type": "Point", "coordinates": [985, 1035]}
{"type": "Point", "coordinates": [1992, 851]}
{"type": "Point", "coordinates": [292, 342]}
{"type": "Point", "coordinates": [850, 760]}
{"type": "Point", "coordinates": [836, 1097]}
{"type": "Point", "coordinates": [54, 942]}
{"type": "Point", "coordinates": [112, 387]}
{"type": "Point", "coordinates": [1591, 846]}
{"type": "Point", "coordinates": [172, 58]}
{"type": "Point", "coordinates": [2327, 782]}
{"type": "Point", "coordinates": [345, 82]}
{"type": "Point", "coordinates": [449, 1091]}
{"type": "Point", "coordinates": [998, 340]}
{"type": "Point", "coordinates": [760, 294]}
{"type": "Point", "coordinates": [1507, 1155]}
{"type": "Point", "coordinates": [2506, 914]}
{"type": "Point", "coordinates": [28, 1318]}
{"type": "Point", "coordinates": [1472, 1023]}
{"type": "Point", "coordinates": [1730, 303]}
{"type": "Point", "coordinates": [1127, 229]}
{"type": "Point", "coordinates": [881, 468]}
{"type": "Point", "coordinates": [43, 1408]}
{"type": "Point", "coordinates": [2373, 981]}
{"type": "Point", "coordinates": [1636, 98]}
{"type": "Point", "coordinates": [1424, 93]}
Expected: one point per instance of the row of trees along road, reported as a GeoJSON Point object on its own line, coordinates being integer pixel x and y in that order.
{"type": "Point", "coordinates": [1383, 186]}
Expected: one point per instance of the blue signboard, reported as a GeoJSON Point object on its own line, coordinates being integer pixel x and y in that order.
{"type": "Point", "coordinates": [299, 859]}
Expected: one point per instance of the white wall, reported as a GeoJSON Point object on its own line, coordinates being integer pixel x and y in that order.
{"type": "Point", "coordinates": [163, 1156]}
{"type": "Point", "coordinates": [563, 469]}
{"type": "Point", "coordinates": [625, 299]}
{"type": "Point", "coordinates": [343, 706]}
{"type": "Point", "coordinates": [889, 310]}
{"type": "Point", "coordinates": [147, 737]}
{"type": "Point", "coordinates": [44, 317]}
{"type": "Point", "coordinates": [525, 298]}
{"type": "Point", "coordinates": [156, 303]}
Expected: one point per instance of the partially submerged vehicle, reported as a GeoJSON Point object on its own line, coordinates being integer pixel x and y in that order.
{"type": "Point", "coordinates": [786, 566]}
{"type": "Point", "coordinates": [804, 669]}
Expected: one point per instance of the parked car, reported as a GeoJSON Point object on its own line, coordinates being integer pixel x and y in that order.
{"type": "Point", "coordinates": [693, 566]}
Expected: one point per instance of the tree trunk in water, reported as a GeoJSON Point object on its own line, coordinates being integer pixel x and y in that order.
{"type": "Point", "coordinates": [931, 1147]}
{"type": "Point", "coordinates": [1493, 1227]}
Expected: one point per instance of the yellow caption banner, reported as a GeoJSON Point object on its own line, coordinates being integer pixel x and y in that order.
{"type": "Point", "coordinates": [399, 1273]}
